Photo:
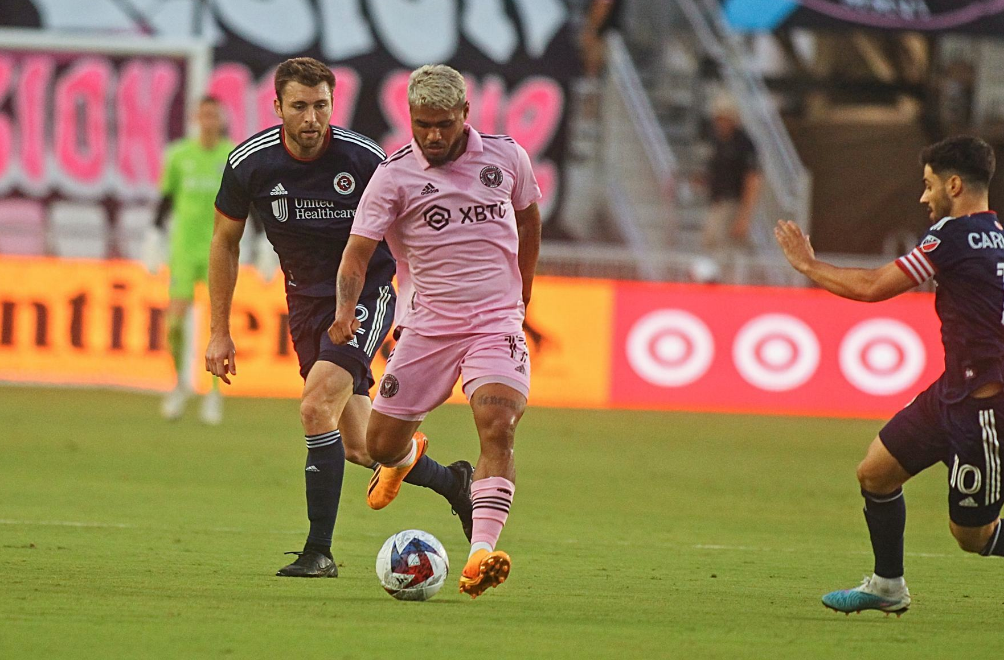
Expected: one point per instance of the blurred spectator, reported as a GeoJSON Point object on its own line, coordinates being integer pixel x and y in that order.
{"type": "Point", "coordinates": [734, 182]}
{"type": "Point", "coordinates": [601, 17]}
{"type": "Point", "coordinates": [955, 87]}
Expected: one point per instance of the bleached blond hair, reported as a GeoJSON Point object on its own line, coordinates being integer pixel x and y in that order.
{"type": "Point", "coordinates": [436, 86]}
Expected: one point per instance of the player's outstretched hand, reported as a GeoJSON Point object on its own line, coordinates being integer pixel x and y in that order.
{"type": "Point", "coordinates": [343, 330]}
{"type": "Point", "coordinates": [220, 356]}
{"type": "Point", "coordinates": [797, 248]}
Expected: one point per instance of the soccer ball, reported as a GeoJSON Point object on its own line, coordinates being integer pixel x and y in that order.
{"type": "Point", "coordinates": [412, 565]}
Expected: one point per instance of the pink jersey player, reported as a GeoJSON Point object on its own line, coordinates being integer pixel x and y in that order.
{"type": "Point", "coordinates": [459, 211]}
{"type": "Point", "coordinates": [454, 226]}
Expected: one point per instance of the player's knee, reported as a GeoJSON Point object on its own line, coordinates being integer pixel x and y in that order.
{"type": "Point", "coordinates": [971, 539]}
{"type": "Point", "coordinates": [874, 480]}
{"type": "Point", "coordinates": [314, 413]}
{"type": "Point", "coordinates": [497, 434]}
{"type": "Point", "coordinates": [384, 452]}
{"type": "Point", "coordinates": [501, 428]}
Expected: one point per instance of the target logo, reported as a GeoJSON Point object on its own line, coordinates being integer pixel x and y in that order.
{"type": "Point", "coordinates": [882, 356]}
{"type": "Point", "coordinates": [670, 348]}
{"type": "Point", "coordinates": [776, 352]}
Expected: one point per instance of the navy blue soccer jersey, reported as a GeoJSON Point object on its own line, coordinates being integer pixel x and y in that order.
{"type": "Point", "coordinates": [965, 256]}
{"type": "Point", "coordinates": [307, 207]}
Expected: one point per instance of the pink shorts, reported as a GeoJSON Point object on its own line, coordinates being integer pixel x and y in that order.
{"type": "Point", "coordinates": [422, 370]}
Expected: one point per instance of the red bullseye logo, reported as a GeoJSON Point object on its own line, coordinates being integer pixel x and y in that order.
{"type": "Point", "coordinates": [882, 356]}
{"type": "Point", "coordinates": [776, 352]}
{"type": "Point", "coordinates": [670, 348]}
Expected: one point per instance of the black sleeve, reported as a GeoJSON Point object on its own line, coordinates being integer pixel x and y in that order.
{"type": "Point", "coordinates": [233, 199]}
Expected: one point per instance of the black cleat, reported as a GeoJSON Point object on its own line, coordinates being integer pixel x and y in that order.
{"type": "Point", "coordinates": [463, 508]}
{"type": "Point", "coordinates": [309, 564]}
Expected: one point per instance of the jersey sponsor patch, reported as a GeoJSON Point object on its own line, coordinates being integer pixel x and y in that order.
{"type": "Point", "coordinates": [437, 216]}
{"type": "Point", "coordinates": [344, 183]}
{"type": "Point", "coordinates": [930, 244]}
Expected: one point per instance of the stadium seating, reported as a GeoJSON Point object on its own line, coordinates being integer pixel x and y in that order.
{"type": "Point", "coordinates": [22, 227]}
{"type": "Point", "coordinates": [78, 230]}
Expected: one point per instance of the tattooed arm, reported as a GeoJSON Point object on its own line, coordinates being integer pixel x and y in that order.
{"type": "Point", "coordinates": [351, 276]}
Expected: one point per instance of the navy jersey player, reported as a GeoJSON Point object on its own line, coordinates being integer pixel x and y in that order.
{"type": "Point", "coordinates": [303, 180]}
{"type": "Point", "coordinates": [954, 421]}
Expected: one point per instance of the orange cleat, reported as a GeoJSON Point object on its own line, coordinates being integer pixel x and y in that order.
{"type": "Point", "coordinates": [483, 571]}
{"type": "Point", "coordinates": [386, 481]}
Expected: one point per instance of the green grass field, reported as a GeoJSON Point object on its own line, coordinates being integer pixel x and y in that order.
{"type": "Point", "coordinates": [633, 535]}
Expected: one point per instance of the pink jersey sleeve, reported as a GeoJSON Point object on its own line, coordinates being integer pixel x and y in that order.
{"type": "Point", "coordinates": [526, 191]}
{"type": "Point", "coordinates": [378, 207]}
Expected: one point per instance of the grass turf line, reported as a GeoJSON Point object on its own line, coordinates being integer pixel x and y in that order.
{"type": "Point", "coordinates": [633, 534]}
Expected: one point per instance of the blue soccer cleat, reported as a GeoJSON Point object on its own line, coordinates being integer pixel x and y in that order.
{"type": "Point", "coordinates": [868, 596]}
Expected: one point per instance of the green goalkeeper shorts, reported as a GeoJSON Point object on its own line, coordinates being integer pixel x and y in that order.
{"type": "Point", "coordinates": [185, 272]}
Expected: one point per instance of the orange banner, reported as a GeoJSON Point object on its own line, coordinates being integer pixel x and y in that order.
{"type": "Point", "coordinates": [101, 323]}
{"type": "Point", "coordinates": [593, 343]}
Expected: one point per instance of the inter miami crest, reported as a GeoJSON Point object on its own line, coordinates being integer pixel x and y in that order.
{"type": "Point", "coordinates": [388, 386]}
{"type": "Point", "coordinates": [491, 176]}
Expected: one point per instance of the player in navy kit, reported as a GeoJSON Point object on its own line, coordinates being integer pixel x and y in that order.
{"type": "Point", "coordinates": [953, 421]}
{"type": "Point", "coordinates": [303, 179]}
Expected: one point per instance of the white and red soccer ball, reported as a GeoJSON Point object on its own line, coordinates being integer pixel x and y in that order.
{"type": "Point", "coordinates": [412, 565]}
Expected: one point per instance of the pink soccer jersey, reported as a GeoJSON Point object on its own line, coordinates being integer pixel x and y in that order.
{"type": "Point", "coordinates": [454, 227]}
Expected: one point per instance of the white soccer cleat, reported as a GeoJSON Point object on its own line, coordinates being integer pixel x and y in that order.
{"type": "Point", "coordinates": [212, 408]}
{"type": "Point", "coordinates": [173, 405]}
{"type": "Point", "coordinates": [869, 596]}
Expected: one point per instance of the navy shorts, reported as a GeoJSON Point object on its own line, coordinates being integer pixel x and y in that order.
{"type": "Point", "coordinates": [310, 318]}
{"type": "Point", "coordinates": [961, 435]}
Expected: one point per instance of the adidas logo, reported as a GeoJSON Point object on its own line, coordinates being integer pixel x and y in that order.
{"type": "Point", "coordinates": [429, 189]}
{"type": "Point", "coordinates": [969, 502]}
{"type": "Point", "coordinates": [313, 468]}
{"type": "Point", "coordinates": [521, 369]}
{"type": "Point", "coordinates": [279, 190]}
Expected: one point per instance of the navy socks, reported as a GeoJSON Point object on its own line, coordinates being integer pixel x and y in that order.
{"type": "Point", "coordinates": [886, 518]}
{"type": "Point", "coordinates": [324, 471]}
{"type": "Point", "coordinates": [430, 474]}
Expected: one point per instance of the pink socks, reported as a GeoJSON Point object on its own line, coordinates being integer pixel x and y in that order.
{"type": "Point", "coordinates": [492, 498]}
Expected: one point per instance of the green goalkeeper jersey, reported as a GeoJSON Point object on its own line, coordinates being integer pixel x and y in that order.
{"type": "Point", "coordinates": [191, 179]}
